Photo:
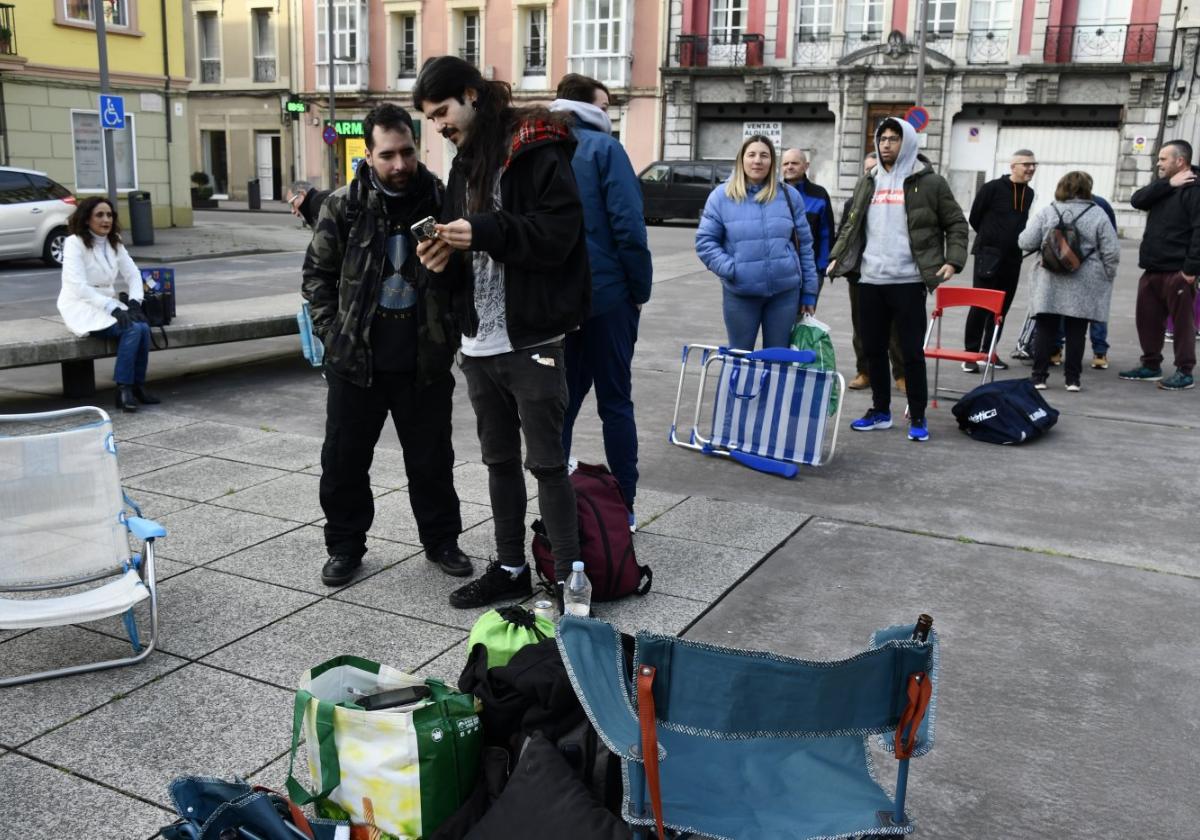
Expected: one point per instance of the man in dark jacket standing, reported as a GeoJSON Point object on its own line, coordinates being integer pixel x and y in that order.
{"type": "Point", "coordinates": [600, 353]}
{"type": "Point", "coordinates": [388, 348]}
{"type": "Point", "coordinates": [998, 215]}
{"type": "Point", "coordinates": [817, 207]}
{"type": "Point", "coordinates": [905, 235]}
{"type": "Point", "coordinates": [305, 201]}
{"type": "Point", "coordinates": [1170, 259]}
{"type": "Point", "coordinates": [511, 248]}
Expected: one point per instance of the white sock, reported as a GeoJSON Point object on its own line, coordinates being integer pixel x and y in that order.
{"type": "Point", "coordinates": [514, 570]}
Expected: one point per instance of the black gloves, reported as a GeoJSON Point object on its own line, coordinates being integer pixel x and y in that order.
{"type": "Point", "coordinates": [122, 317]}
{"type": "Point", "coordinates": [135, 311]}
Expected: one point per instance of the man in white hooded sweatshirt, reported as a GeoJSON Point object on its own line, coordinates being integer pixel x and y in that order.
{"type": "Point", "coordinates": [905, 235]}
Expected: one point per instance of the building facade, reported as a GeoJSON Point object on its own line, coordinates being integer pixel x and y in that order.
{"type": "Point", "coordinates": [379, 46]}
{"type": "Point", "coordinates": [241, 62]}
{"type": "Point", "coordinates": [49, 82]}
{"type": "Point", "coordinates": [1080, 82]}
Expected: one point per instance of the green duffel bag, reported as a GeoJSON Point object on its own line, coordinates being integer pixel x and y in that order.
{"type": "Point", "coordinates": [505, 631]}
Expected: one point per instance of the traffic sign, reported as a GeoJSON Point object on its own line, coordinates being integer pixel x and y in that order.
{"type": "Point", "coordinates": [112, 111]}
{"type": "Point", "coordinates": [329, 135]}
{"type": "Point", "coordinates": [917, 117]}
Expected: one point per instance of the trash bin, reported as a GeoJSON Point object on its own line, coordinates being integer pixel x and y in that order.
{"type": "Point", "coordinates": [254, 194]}
{"type": "Point", "coordinates": [141, 218]}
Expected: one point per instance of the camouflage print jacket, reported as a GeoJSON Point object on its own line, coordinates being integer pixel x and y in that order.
{"type": "Point", "coordinates": [343, 271]}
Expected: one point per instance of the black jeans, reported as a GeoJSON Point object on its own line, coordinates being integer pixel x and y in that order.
{"type": "Point", "coordinates": [980, 322]}
{"type": "Point", "coordinates": [1045, 343]}
{"type": "Point", "coordinates": [354, 417]}
{"type": "Point", "coordinates": [880, 307]}
{"type": "Point", "coordinates": [525, 393]}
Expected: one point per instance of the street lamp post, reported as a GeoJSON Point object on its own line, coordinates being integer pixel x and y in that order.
{"type": "Point", "coordinates": [110, 157]}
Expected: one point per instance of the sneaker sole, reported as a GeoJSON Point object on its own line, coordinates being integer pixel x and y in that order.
{"type": "Point", "coordinates": [1141, 378]}
{"type": "Point", "coordinates": [1176, 387]}
{"type": "Point", "coordinates": [924, 439]}
{"type": "Point", "coordinates": [876, 427]}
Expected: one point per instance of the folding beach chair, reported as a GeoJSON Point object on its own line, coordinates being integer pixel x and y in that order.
{"type": "Point", "coordinates": [743, 745]}
{"type": "Point", "coordinates": [769, 411]}
{"type": "Point", "coordinates": [64, 523]}
{"type": "Point", "coordinates": [952, 297]}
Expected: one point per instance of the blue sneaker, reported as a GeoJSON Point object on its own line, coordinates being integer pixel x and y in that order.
{"type": "Point", "coordinates": [918, 430]}
{"type": "Point", "coordinates": [632, 523]}
{"type": "Point", "coordinates": [872, 420]}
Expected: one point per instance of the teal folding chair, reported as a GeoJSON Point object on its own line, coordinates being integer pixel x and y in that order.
{"type": "Point", "coordinates": [735, 744]}
{"type": "Point", "coordinates": [64, 527]}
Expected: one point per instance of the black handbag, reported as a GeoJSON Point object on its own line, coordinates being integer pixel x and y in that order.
{"type": "Point", "coordinates": [158, 301]}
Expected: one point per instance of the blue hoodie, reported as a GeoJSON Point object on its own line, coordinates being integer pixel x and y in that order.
{"type": "Point", "coordinates": [612, 211]}
{"type": "Point", "coordinates": [749, 245]}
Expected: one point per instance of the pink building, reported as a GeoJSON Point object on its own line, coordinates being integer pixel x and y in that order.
{"type": "Point", "coordinates": [381, 44]}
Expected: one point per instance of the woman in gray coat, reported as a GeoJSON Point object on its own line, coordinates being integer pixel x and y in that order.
{"type": "Point", "coordinates": [1078, 297]}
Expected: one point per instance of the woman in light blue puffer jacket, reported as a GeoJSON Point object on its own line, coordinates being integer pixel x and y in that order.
{"type": "Point", "coordinates": [746, 239]}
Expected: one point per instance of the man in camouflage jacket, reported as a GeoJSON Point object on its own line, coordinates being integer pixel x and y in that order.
{"type": "Point", "coordinates": [389, 343]}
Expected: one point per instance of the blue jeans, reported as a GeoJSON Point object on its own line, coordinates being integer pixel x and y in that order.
{"type": "Point", "coordinates": [600, 354]}
{"type": "Point", "coordinates": [1097, 331]}
{"type": "Point", "coordinates": [133, 351]}
{"type": "Point", "coordinates": [776, 315]}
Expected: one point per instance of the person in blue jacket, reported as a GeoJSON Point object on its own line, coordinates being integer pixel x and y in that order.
{"type": "Point", "coordinates": [600, 352]}
{"type": "Point", "coordinates": [748, 237]}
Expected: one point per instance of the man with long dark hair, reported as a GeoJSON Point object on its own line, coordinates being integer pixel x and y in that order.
{"type": "Point", "coordinates": [510, 247]}
{"type": "Point", "coordinates": [389, 344]}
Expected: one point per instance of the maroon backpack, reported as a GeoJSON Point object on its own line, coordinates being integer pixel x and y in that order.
{"type": "Point", "coordinates": [605, 542]}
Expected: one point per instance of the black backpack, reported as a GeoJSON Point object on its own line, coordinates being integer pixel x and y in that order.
{"type": "Point", "coordinates": [1061, 250]}
{"type": "Point", "coordinates": [1006, 412]}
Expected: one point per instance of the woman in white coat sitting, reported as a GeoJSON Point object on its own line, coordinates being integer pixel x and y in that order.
{"type": "Point", "coordinates": [95, 266]}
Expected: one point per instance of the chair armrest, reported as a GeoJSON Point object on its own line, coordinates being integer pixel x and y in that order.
{"type": "Point", "coordinates": [144, 529]}
{"type": "Point", "coordinates": [591, 651]}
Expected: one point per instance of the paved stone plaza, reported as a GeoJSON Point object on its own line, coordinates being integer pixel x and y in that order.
{"type": "Point", "coordinates": [1063, 577]}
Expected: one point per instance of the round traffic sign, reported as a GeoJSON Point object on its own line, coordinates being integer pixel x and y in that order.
{"type": "Point", "coordinates": [917, 117]}
{"type": "Point", "coordinates": [329, 135]}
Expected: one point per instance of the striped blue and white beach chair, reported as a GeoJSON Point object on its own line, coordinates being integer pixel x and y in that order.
{"type": "Point", "coordinates": [770, 409]}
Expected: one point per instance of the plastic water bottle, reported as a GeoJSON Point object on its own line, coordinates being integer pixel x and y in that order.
{"type": "Point", "coordinates": [577, 596]}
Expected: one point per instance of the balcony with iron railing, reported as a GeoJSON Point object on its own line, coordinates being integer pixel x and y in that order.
{"type": "Point", "coordinates": [987, 46]}
{"type": "Point", "coordinates": [470, 55]}
{"type": "Point", "coordinates": [814, 48]}
{"type": "Point", "coordinates": [1132, 44]}
{"type": "Point", "coordinates": [8, 29]}
{"type": "Point", "coordinates": [210, 71]}
{"type": "Point", "coordinates": [264, 68]}
{"type": "Point", "coordinates": [737, 49]}
{"type": "Point", "coordinates": [535, 61]}
{"type": "Point", "coordinates": [406, 64]}
{"type": "Point", "coordinates": [852, 42]}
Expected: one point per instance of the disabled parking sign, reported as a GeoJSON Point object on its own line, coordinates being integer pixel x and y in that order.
{"type": "Point", "coordinates": [112, 111]}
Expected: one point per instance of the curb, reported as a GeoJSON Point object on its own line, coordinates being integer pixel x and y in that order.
{"type": "Point", "coordinates": [210, 256]}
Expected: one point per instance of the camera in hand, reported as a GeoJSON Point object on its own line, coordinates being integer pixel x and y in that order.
{"type": "Point", "coordinates": [425, 229]}
{"type": "Point", "coordinates": [394, 698]}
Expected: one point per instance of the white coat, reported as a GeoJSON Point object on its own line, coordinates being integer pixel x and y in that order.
{"type": "Point", "coordinates": [91, 280]}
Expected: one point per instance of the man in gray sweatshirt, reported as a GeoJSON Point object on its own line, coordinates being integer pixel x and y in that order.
{"type": "Point", "coordinates": [905, 235]}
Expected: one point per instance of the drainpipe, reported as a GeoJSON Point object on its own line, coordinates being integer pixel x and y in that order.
{"type": "Point", "coordinates": [162, 9]}
{"type": "Point", "coordinates": [662, 84]}
{"type": "Point", "coordinates": [1162, 118]}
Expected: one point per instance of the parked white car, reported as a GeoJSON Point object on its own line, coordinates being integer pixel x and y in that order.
{"type": "Point", "coordinates": [33, 215]}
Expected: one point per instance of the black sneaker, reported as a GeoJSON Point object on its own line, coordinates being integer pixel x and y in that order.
{"type": "Point", "coordinates": [340, 569]}
{"type": "Point", "coordinates": [451, 560]}
{"type": "Point", "coordinates": [495, 584]}
{"type": "Point", "coordinates": [1000, 364]}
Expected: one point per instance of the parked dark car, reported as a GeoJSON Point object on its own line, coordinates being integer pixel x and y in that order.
{"type": "Point", "coordinates": [677, 189]}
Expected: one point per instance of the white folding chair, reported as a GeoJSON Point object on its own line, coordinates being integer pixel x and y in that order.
{"type": "Point", "coordinates": [64, 522]}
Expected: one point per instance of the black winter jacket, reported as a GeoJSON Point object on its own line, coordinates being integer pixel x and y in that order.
{"type": "Point", "coordinates": [537, 235]}
{"type": "Point", "coordinates": [999, 213]}
{"type": "Point", "coordinates": [1172, 238]}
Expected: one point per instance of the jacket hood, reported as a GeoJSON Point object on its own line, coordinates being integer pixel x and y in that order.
{"type": "Point", "coordinates": [585, 113]}
{"type": "Point", "coordinates": [906, 161]}
{"type": "Point", "coordinates": [533, 133]}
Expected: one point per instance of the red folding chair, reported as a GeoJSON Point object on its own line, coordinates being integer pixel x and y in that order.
{"type": "Point", "coordinates": [949, 297]}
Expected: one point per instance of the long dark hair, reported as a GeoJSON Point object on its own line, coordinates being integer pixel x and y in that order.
{"type": "Point", "coordinates": [487, 143]}
{"type": "Point", "coordinates": [78, 223]}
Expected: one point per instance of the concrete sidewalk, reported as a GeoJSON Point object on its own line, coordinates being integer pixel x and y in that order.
{"type": "Point", "coordinates": [224, 238]}
{"type": "Point", "coordinates": [1063, 577]}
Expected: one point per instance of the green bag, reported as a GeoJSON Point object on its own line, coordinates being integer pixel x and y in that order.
{"type": "Point", "coordinates": [505, 631]}
{"type": "Point", "coordinates": [402, 771]}
{"type": "Point", "coordinates": [811, 334]}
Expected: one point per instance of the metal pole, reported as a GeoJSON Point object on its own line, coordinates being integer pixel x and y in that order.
{"type": "Point", "coordinates": [922, 25]}
{"type": "Point", "coordinates": [333, 173]}
{"type": "Point", "coordinates": [110, 156]}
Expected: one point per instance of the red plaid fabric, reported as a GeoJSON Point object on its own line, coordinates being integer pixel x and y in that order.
{"type": "Point", "coordinates": [532, 132]}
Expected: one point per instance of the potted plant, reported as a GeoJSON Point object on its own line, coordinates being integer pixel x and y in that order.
{"type": "Point", "coordinates": [202, 193]}
{"type": "Point", "coordinates": [5, 40]}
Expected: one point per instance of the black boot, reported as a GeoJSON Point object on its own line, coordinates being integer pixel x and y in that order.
{"type": "Point", "coordinates": [145, 397]}
{"type": "Point", "coordinates": [125, 400]}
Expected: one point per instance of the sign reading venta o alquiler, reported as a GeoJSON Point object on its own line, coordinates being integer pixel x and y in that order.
{"type": "Point", "coordinates": [773, 131]}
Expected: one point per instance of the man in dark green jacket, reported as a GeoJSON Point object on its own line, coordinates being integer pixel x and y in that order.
{"type": "Point", "coordinates": [905, 235]}
{"type": "Point", "coordinates": [389, 343]}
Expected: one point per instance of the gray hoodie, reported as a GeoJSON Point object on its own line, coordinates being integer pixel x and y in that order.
{"type": "Point", "coordinates": [887, 257]}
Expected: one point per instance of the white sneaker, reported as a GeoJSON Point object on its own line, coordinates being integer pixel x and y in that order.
{"type": "Point", "coordinates": [1074, 386]}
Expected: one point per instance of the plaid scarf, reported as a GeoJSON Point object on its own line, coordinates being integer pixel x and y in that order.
{"type": "Point", "coordinates": [533, 132]}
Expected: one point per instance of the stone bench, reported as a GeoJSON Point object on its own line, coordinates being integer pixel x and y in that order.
{"type": "Point", "coordinates": [45, 340]}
